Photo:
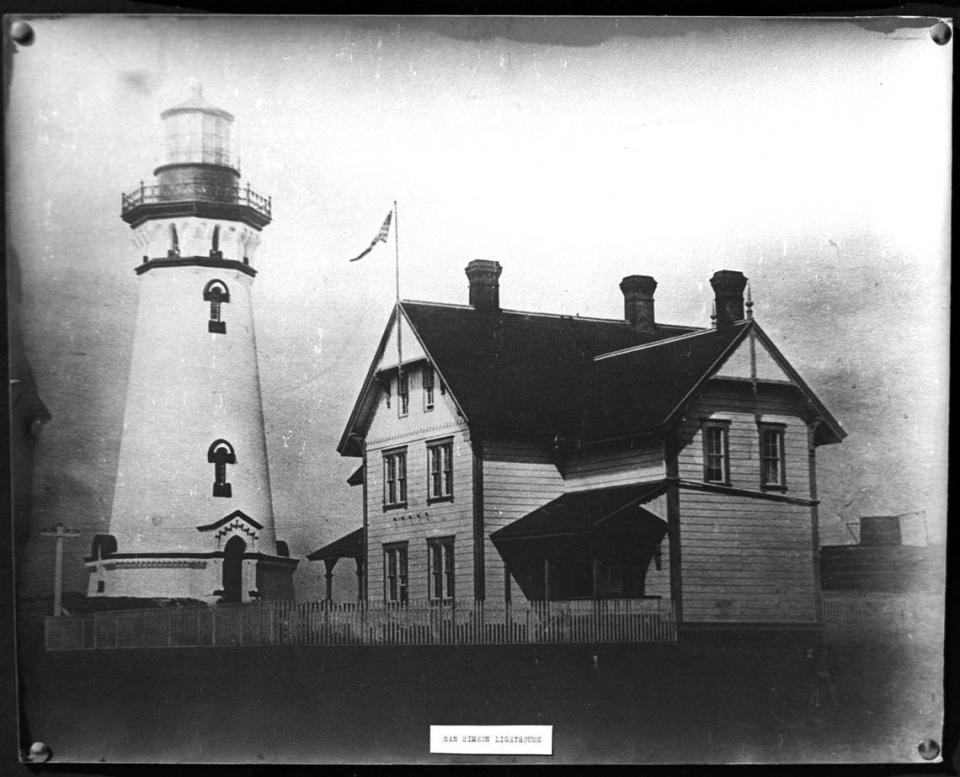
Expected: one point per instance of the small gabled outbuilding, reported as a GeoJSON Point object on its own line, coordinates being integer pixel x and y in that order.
{"type": "Point", "coordinates": [519, 454]}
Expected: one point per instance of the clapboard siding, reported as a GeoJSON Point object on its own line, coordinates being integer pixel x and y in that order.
{"type": "Point", "coordinates": [613, 467]}
{"type": "Point", "coordinates": [746, 560]}
{"type": "Point", "coordinates": [518, 477]}
{"type": "Point", "coordinates": [739, 405]}
{"type": "Point", "coordinates": [419, 520]}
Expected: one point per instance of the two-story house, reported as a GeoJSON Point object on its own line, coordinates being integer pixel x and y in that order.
{"type": "Point", "coordinates": [525, 455]}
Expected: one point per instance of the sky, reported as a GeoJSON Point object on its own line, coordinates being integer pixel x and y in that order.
{"type": "Point", "coordinates": [814, 156]}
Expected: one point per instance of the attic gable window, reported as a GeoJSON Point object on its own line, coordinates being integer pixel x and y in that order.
{"type": "Point", "coordinates": [716, 451]}
{"type": "Point", "coordinates": [428, 391]}
{"type": "Point", "coordinates": [403, 394]}
{"type": "Point", "coordinates": [395, 478]}
{"type": "Point", "coordinates": [772, 472]}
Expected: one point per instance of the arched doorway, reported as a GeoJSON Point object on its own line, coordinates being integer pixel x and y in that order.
{"type": "Point", "coordinates": [233, 570]}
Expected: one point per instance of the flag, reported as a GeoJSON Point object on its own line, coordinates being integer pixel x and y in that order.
{"type": "Point", "coordinates": [380, 238]}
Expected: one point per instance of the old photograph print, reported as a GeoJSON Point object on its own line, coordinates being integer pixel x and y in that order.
{"type": "Point", "coordinates": [375, 374]}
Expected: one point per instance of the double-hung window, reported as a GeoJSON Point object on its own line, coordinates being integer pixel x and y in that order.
{"type": "Point", "coordinates": [716, 451]}
{"type": "Point", "coordinates": [395, 572]}
{"type": "Point", "coordinates": [440, 471]}
{"type": "Point", "coordinates": [440, 557]}
{"type": "Point", "coordinates": [395, 478]}
{"type": "Point", "coordinates": [772, 473]}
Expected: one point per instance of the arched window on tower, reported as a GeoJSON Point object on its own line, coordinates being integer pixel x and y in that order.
{"type": "Point", "coordinates": [217, 294]}
{"type": "Point", "coordinates": [220, 454]}
{"type": "Point", "coordinates": [215, 251]}
{"type": "Point", "coordinates": [174, 249]}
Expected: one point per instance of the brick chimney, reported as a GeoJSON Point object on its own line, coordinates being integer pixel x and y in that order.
{"type": "Point", "coordinates": [728, 286]}
{"type": "Point", "coordinates": [484, 278]}
{"type": "Point", "coordinates": [638, 303]}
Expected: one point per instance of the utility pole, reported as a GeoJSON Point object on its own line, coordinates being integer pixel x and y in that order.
{"type": "Point", "coordinates": [60, 533]}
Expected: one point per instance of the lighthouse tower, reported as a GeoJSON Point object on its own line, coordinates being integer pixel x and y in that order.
{"type": "Point", "coordinates": [192, 512]}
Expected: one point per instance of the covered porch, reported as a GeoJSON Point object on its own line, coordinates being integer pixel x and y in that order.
{"type": "Point", "coordinates": [595, 544]}
{"type": "Point", "coordinates": [348, 546]}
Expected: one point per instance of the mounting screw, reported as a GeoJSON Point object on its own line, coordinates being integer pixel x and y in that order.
{"type": "Point", "coordinates": [22, 33]}
{"type": "Point", "coordinates": [38, 753]}
{"type": "Point", "coordinates": [941, 33]}
{"type": "Point", "coordinates": [928, 749]}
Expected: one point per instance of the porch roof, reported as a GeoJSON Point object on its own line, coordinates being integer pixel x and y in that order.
{"type": "Point", "coordinates": [348, 546]}
{"type": "Point", "coordinates": [579, 512]}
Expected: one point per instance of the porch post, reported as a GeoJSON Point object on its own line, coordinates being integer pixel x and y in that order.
{"type": "Point", "coordinates": [361, 594]}
{"type": "Point", "coordinates": [546, 579]}
{"type": "Point", "coordinates": [329, 563]}
{"type": "Point", "coordinates": [595, 562]}
{"type": "Point", "coordinates": [671, 449]}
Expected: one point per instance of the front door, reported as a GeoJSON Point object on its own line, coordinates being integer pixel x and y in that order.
{"type": "Point", "coordinates": [233, 570]}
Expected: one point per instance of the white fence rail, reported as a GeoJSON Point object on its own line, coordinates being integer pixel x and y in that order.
{"type": "Point", "coordinates": [325, 623]}
{"type": "Point", "coordinates": [847, 616]}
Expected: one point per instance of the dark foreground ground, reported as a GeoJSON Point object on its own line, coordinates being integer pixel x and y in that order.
{"type": "Point", "coordinates": [637, 704]}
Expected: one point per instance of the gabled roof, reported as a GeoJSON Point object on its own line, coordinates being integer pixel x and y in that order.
{"type": "Point", "coordinates": [581, 379]}
{"type": "Point", "coordinates": [513, 371]}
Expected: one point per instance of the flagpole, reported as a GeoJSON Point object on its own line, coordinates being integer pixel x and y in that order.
{"type": "Point", "coordinates": [396, 246]}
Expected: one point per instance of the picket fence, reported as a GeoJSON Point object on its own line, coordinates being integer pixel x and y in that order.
{"type": "Point", "coordinates": [848, 616]}
{"type": "Point", "coordinates": [330, 623]}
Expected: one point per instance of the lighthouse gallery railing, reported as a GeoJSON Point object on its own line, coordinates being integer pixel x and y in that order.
{"type": "Point", "coordinates": [186, 191]}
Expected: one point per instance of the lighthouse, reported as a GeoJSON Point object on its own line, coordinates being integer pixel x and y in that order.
{"type": "Point", "coordinates": [192, 512]}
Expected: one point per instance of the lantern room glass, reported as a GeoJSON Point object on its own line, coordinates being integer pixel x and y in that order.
{"type": "Point", "coordinates": [198, 137]}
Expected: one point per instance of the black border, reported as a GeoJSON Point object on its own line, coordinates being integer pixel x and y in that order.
{"type": "Point", "coordinates": [9, 763]}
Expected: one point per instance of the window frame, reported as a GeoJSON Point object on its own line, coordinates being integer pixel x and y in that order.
{"type": "Point", "coordinates": [403, 394]}
{"type": "Point", "coordinates": [429, 388]}
{"type": "Point", "coordinates": [396, 586]}
{"type": "Point", "coordinates": [723, 426]}
{"type": "Point", "coordinates": [441, 450]}
{"type": "Point", "coordinates": [398, 456]}
{"type": "Point", "coordinates": [445, 577]}
{"type": "Point", "coordinates": [778, 429]}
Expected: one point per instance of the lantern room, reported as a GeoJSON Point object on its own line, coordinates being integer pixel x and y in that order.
{"type": "Point", "coordinates": [198, 133]}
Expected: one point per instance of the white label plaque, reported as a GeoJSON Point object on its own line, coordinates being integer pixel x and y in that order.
{"type": "Point", "coordinates": [492, 740]}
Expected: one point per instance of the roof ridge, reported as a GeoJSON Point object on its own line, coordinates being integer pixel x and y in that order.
{"type": "Point", "coordinates": [653, 344]}
{"type": "Point", "coordinates": [571, 317]}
